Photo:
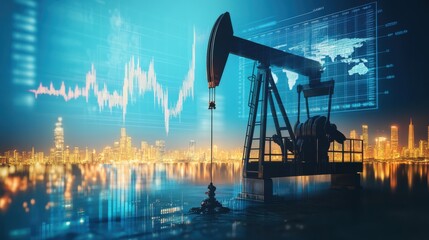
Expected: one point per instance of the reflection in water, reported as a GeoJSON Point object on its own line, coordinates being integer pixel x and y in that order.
{"type": "Point", "coordinates": [150, 200]}
{"type": "Point", "coordinates": [395, 173]}
{"type": "Point", "coordinates": [66, 198]}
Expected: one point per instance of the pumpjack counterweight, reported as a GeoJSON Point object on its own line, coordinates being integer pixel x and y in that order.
{"type": "Point", "coordinates": [308, 148]}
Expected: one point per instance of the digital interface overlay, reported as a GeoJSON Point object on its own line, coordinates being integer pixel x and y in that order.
{"type": "Point", "coordinates": [102, 66]}
{"type": "Point", "coordinates": [113, 63]}
{"type": "Point", "coordinates": [344, 43]}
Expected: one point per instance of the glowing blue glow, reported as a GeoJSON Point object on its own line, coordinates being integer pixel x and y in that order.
{"type": "Point", "coordinates": [24, 37]}
{"type": "Point", "coordinates": [265, 25]}
{"type": "Point", "coordinates": [70, 37]}
{"type": "Point", "coordinates": [25, 27]}
{"type": "Point", "coordinates": [291, 78]}
{"type": "Point", "coordinates": [275, 78]}
{"type": "Point", "coordinates": [29, 74]}
{"type": "Point", "coordinates": [26, 19]}
{"type": "Point", "coordinates": [360, 69]}
{"type": "Point", "coordinates": [24, 81]}
{"type": "Point", "coordinates": [23, 57]}
{"type": "Point", "coordinates": [24, 47]}
{"type": "Point", "coordinates": [27, 3]}
{"type": "Point", "coordinates": [344, 43]}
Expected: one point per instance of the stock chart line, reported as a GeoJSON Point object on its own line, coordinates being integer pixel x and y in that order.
{"type": "Point", "coordinates": [136, 81]}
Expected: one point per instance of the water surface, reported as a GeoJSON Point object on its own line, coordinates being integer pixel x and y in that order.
{"type": "Point", "coordinates": [145, 201]}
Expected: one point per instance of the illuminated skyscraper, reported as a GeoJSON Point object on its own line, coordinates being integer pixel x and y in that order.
{"type": "Point", "coordinates": [160, 149]}
{"type": "Point", "coordinates": [191, 150]}
{"type": "Point", "coordinates": [422, 147]}
{"type": "Point", "coordinates": [411, 136]}
{"type": "Point", "coordinates": [394, 140]}
{"type": "Point", "coordinates": [353, 134]}
{"type": "Point", "coordinates": [365, 140]}
{"type": "Point", "coordinates": [380, 148]}
{"type": "Point", "coordinates": [116, 151]}
{"type": "Point", "coordinates": [144, 150]}
{"type": "Point", "coordinates": [76, 154]}
{"type": "Point", "coordinates": [67, 155]}
{"type": "Point", "coordinates": [86, 154]}
{"type": "Point", "coordinates": [128, 149]}
{"type": "Point", "coordinates": [59, 140]}
{"type": "Point", "coordinates": [123, 145]}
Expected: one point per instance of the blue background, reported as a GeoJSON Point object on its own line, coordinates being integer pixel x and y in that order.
{"type": "Point", "coordinates": [73, 35]}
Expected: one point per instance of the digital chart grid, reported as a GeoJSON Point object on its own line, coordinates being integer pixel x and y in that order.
{"type": "Point", "coordinates": [344, 43]}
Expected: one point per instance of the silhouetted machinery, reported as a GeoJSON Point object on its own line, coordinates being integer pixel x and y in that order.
{"type": "Point", "coordinates": [304, 148]}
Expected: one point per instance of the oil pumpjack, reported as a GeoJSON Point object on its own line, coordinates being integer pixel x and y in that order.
{"type": "Point", "coordinates": [304, 147]}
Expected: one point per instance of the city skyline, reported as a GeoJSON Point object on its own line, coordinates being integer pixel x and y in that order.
{"type": "Point", "coordinates": [26, 119]}
{"type": "Point", "coordinates": [382, 147]}
{"type": "Point", "coordinates": [388, 147]}
{"type": "Point", "coordinates": [108, 128]}
{"type": "Point", "coordinates": [119, 150]}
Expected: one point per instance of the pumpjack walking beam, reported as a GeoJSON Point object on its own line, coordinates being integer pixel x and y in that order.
{"type": "Point", "coordinates": [222, 42]}
{"type": "Point", "coordinates": [257, 172]}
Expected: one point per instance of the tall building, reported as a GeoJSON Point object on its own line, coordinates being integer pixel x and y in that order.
{"type": "Point", "coordinates": [86, 154]}
{"type": "Point", "coordinates": [123, 133]}
{"type": "Point", "coordinates": [381, 148]}
{"type": "Point", "coordinates": [353, 134]}
{"type": "Point", "coordinates": [365, 140]}
{"type": "Point", "coordinates": [67, 155]}
{"type": "Point", "coordinates": [160, 149]}
{"type": "Point", "coordinates": [116, 151]}
{"type": "Point", "coordinates": [128, 149]}
{"type": "Point", "coordinates": [394, 140]}
{"type": "Point", "coordinates": [191, 150]}
{"type": "Point", "coordinates": [411, 136]}
{"type": "Point", "coordinates": [123, 145]}
{"type": "Point", "coordinates": [76, 154]}
{"type": "Point", "coordinates": [144, 148]}
{"type": "Point", "coordinates": [59, 141]}
{"type": "Point", "coordinates": [422, 147]}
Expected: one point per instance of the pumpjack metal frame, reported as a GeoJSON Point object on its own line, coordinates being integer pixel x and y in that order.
{"type": "Point", "coordinates": [258, 171]}
{"type": "Point", "coordinates": [263, 91]}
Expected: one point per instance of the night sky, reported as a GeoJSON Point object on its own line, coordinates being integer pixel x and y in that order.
{"type": "Point", "coordinates": [72, 36]}
{"type": "Point", "coordinates": [407, 96]}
